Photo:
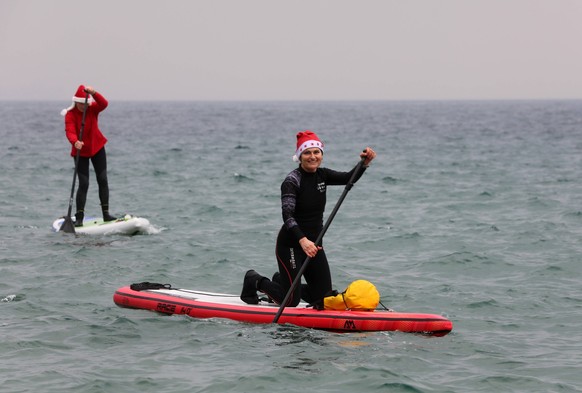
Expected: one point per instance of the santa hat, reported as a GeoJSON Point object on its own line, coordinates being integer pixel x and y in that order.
{"type": "Point", "coordinates": [306, 140]}
{"type": "Point", "coordinates": [79, 96]}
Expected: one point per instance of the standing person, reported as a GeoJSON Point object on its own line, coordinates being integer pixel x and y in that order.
{"type": "Point", "coordinates": [91, 147]}
{"type": "Point", "coordinates": [303, 197]}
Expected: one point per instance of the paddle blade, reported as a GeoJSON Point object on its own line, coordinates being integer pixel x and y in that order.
{"type": "Point", "coordinates": [68, 225]}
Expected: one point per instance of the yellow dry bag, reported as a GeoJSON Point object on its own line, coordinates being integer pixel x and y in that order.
{"type": "Point", "coordinates": [360, 295]}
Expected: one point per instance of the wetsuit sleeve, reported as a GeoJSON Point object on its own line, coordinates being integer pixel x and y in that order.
{"type": "Point", "coordinates": [289, 190]}
{"type": "Point", "coordinates": [335, 178]}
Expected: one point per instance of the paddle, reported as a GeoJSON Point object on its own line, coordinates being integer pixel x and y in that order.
{"type": "Point", "coordinates": [319, 238]}
{"type": "Point", "coordinates": [68, 226]}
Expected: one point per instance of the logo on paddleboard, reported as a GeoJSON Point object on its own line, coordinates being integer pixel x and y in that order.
{"type": "Point", "coordinates": [292, 260]}
{"type": "Point", "coordinates": [166, 308]}
{"type": "Point", "coordinates": [349, 325]}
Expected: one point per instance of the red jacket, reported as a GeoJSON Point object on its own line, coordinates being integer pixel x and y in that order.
{"type": "Point", "coordinates": [93, 139]}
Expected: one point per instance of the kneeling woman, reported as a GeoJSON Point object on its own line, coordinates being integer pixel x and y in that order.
{"type": "Point", "coordinates": [303, 198]}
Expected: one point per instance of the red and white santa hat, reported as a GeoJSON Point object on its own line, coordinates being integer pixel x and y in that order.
{"type": "Point", "coordinates": [79, 96]}
{"type": "Point", "coordinates": [305, 140]}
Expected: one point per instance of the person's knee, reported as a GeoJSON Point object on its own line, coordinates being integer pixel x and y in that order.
{"type": "Point", "coordinates": [102, 178]}
{"type": "Point", "coordinates": [293, 302]}
{"type": "Point", "coordinates": [83, 183]}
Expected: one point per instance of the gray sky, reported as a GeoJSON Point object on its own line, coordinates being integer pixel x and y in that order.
{"type": "Point", "coordinates": [291, 50]}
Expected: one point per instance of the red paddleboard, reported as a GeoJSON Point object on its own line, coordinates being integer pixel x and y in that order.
{"type": "Point", "coordinates": [199, 304]}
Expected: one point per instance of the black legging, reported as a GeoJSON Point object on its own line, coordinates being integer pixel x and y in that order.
{"type": "Point", "coordinates": [99, 161]}
{"type": "Point", "coordinates": [290, 258]}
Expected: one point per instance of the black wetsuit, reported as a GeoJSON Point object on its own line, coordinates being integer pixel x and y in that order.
{"type": "Point", "coordinates": [303, 198]}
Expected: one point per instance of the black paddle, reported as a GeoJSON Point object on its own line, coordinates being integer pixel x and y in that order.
{"type": "Point", "coordinates": [68, 226]}
{"type": "Point", "coordinates": [319, 237]}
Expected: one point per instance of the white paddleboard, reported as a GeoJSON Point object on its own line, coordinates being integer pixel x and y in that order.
{"type": "Point", "coordinates": [126, 225]}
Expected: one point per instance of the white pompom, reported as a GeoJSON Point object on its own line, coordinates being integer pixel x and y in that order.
{"type": "Point", "coordinates": [295, 158]}
{"type": "Point", "coordinates": [64, 111]}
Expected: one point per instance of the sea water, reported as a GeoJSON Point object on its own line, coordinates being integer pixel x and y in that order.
{"type": "Point", "coordinates": [472, 210]}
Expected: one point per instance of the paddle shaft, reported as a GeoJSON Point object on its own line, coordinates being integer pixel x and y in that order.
{"type": "Point", "coordinates": [69, 212]}
{"type": "Point", "coordinates": [319, 238]}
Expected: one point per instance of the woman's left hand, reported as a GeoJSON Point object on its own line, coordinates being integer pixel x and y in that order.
{"type": "Point", "coordinates": [309, 248]}
{"type": "Point", "coordinates": [368, 154]}
{"type": "Point", "coordinates": [90, 90]}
